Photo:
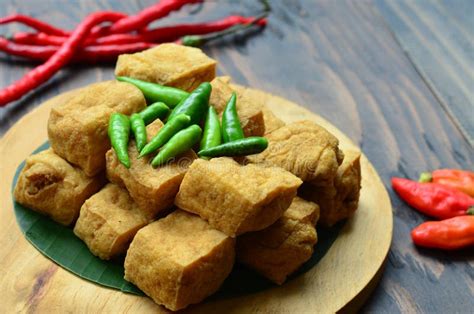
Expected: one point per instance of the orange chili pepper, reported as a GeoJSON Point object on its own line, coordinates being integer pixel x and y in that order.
{"type": "Point", "coordinates": [458, 179]}
{"type": "Point", "coordinates": [450, 234]}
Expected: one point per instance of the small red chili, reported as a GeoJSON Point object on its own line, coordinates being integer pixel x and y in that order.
{"type": "Point", "coordinates": [450, 234]}
{"type": "Point", "coordinates": [461, 180]}
{"type": "Point", "coordinates": [433, 199]}
{"type": "Point", "coordinates": [64, 54]}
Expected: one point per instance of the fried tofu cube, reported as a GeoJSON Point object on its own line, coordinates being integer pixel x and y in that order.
{"type": "Point", "coordinates": [221, 92]}
{"type": "Point", "coordinates": [108, 221]}
{"type": "Point", "coordinates": [168, 64]}
{"type": "Point", "coordinates": [282, 248]}
{"type": "Point", "coordinates": [341, 200]}
{"type": "Point", "coordinates": [236, 199]}
{"type": "Point", "coordinates": [251, 116]}
{"type": "Point", "coordinates": [51, 186]}
{"type": "Point", "coordinates": [179, 260]}
{"type": "Point", "coordinates": [305, 149]}
{"type": "Point", "coordinates": [77, 128]}
{"type": "Point", "coordinates": [153, 189]}
{"type": "Point", "coordinates": [271, 121]}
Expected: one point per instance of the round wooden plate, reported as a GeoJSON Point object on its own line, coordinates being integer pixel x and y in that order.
{"type": "Point", "coordinates": [341, 281]}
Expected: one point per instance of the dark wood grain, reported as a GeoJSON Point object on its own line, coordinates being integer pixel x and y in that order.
{"type": "Point", "coordinates": [339, 59]}
{"type": "Point", "coordinates": [440, 43]}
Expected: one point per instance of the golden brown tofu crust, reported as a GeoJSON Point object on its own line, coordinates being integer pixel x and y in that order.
{"type": "Point", "coordinates": [251, 115]}
{"type": "Point", "coordinates": [153, 189]}
{"type": "Point", "coordinates": [50, 185]}
{"type": "Point", "coordinates": [236, 199]}
{"type": "Point", "coordinates": [305, 149]}
{"type": "Point", "coordinates": [77, 128]}
{"type": "Point", "coordinates": [168, 64]}
{"type": "Point", "coordinates": [179, 260]}
{"type": "Point", "coordinates": [271, 121]}
{"type": "Point", "coordinates": [282, 248]}
{"type": "Point", "coordinates": [108, 221]}
{"type": "Point", "coordinates": [221, 92]}
{"type": "Point", "coordinates": [341, 200]}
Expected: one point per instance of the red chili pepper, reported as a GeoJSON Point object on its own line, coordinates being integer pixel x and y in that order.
{"type": "Point", "coordinates": [64, 54]}
{"type": "Point", "coordinates": [37, 39]}
{"type": "Point", "coordinates": [49, 29]}
{"type": "Point", "coordinates": [90, 54]}
{"type": "Point", "coordinates": [450, 234]}
{"type": "Point", "coordinates": [34, 23]}
{"type": "Point", "coordinates": [143, 18]}
{"type": "Point", "coordinates": [433, 199]}
{"type": "Point", "coordinates": [461, 180]}
{"type": "Point", "coordinates": [123, 23]}
{"type": "Point", "coordinates": [157, 35]}
{"type": "Point", "coordinates": [110, 52]}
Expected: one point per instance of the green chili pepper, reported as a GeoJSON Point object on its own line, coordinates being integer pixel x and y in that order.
{"type": "Point", "coordinates": [242, 147]}
{"type": "Point", "coordinates": [155, 92]}
{"type": "Point", "coordinates": [157, 110]}
{"type": "Point", "coordinates": [165, 133]}
{"type": "Point", "coordinates": [182, 141]}
{"type": "Point", "coordinates": [231, 128]}
{"type": "Point", "coordinates": [212, 130]}
{"type": "Point", "coordinates": [139, 130]}
{"type": "Point", "coordinates": [119, 133]}
{"type": "Point", "coordinates": [195, 105]}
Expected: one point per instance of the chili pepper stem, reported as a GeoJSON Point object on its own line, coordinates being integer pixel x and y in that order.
{"type": "Point", "coordinates": [266, 5]}
{"type": "Point", "coordinates": [425, 177]}
{"type": "Point", "coordinates": [470, 211]}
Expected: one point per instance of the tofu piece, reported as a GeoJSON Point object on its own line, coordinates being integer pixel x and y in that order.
{"type": "Point", "coordinates": [179, 260]}
{"type": "Point", "coordinates": [236, 199]}
{"type": "Point", "coordinates": [168, 64]}
{"type": "Point", "coordinates": [271, 121]}
{"type": "Point", "coordinates": [108, 221]}
{"type": "Point", "coordinates": [305, 149]}
{"type": "Point", "coordinates": [282, 248]}
{"type": "Point", "coordinates": [341, 200]}
{"type": "Point", "coordinates": [251, 116]}
{"type": "Point", "coordinates": [152, 189]}
{"type": "Point", "coordinates": [221, 92]}
{"type": "Point", "coordinates": [259, 99]}
{"type": "Point", "coordinates": [77, 128]}
{"type": "Point", "coordinates": [51, 186]}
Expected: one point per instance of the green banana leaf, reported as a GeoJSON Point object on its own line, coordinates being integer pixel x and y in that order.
{"type": "Point", "coordinates": [59, 244]}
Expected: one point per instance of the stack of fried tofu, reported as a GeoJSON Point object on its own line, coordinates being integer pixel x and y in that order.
{"type": "Point", "coordinates": [182, 225]}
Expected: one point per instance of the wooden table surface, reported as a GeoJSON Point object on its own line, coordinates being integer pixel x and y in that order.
{"type": "Point", "coordinates": [345, 61]}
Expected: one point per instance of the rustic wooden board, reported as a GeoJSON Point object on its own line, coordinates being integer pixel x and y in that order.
{"type": "Point", "coordinates": [438, 38]}
{"type": "Point", "coordinates": [340, 60]}
{"type": "Point", "coordinates": [341, 280]}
